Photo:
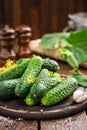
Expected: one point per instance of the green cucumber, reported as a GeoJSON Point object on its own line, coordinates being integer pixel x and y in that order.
{"type": "Point", "coordinates": [29, 76]}
{"type": "Point", "coordinates": [42, 83]}
{"type": "Point", "coordinates": [60, 91]}
{"type": "Point", "coordinates": [47, 63]}
{"type": "Point", "coordinates": [19, 61]}
{"type": "Point", "coordinates": [30, 101]}
{"type": "Point", "coordinates": [50, 64]}
{"type": "Point", "coordinates": [46, 80]}
{"type": "Point", "coordinates": [7, 88]}
{"type": "Point", "coordinates": [15, 72]}
{"type": "Point", "coordinates": [55, 78]}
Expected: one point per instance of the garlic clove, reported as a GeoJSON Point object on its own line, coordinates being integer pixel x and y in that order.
{"type": "Point", "coordinates": [80, 95]}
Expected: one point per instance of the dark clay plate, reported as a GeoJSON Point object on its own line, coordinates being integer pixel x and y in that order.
{"type": "Point", "coordinates": [18, 109]}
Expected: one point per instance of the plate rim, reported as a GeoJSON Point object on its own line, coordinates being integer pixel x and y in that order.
{"type": "Point", "coordinates": [38, 115]}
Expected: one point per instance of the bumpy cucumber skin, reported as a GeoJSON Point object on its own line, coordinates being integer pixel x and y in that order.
{"type": "Point", "coordinates": [41, 85]}
{"type": "Point", "coordinates": [50, 64]}
{"type": "Point", "coordinates": [19, 61]}
{"type": "Point", "coordinates": [29, 77]}
{"type": "Point", "coordinates": [37, 90]}
{"type": "Point", "coordinates": [55, 78]}
{"type": "Point", "coordinates": [44, 83]}
{"type": "Point", "coordinates": [60, 92]}
{"type": "Point", "coordinates": [30, 101]}
{"type": "Point", "coordinates": [7, 89]}
{"type": "Point", "coordinates": [47, 63]}
{"type": "Point", "coordinates": [15, 72]}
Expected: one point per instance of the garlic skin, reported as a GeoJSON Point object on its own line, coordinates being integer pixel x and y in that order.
{"type": "Point", "coordinates": [80, 95]}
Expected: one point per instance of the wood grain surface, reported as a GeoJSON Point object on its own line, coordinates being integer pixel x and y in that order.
{"type": "Point", "coordinates": [76, 122]}
{"type": "Point", "coordinates": [18, 124]}
{"type": "Point", "coordinates": [44, 16]}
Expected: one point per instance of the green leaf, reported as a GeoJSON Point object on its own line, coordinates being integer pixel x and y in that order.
{"type": "Point", "coordinates": [81, 78]}
{"type": "Point", "coordinates": [78, 37]}
{"type": "Point", "coordinates": [72, 45]}
{"type": "Point", "coordinates": [49, 41]}
{"type": "Point", "coordinates": [77, 48]}
{"type": "Point", "coordinates": [69, 57]}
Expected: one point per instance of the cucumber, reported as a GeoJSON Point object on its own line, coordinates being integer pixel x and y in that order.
{"type": "Point", "coordinates": [19, 61]}
{"type": "Point", "coordinates": [15, 72]}
{"type": "Point", "coordinates": [60, 91]}
{"type": "Point", "coordinates": [47, 63]}
{"type": "Point", "coordinates": [30, 101]}
{"type": "Point", "coordinates": [55, 78]}
{"type": "Point", "coordinates": [50, 64]}
{"type": "Point", "coordinates": [46, 80]}
{"type": "Point", "coordinates": [41, 84]}
{"type": "Point", "coordinates": [29, 76]}
{"type": "Point", "coordinates": [7, 89]}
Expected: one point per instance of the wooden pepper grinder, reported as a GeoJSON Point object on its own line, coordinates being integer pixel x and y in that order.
{"type": "Point", "coordinates": [7, 42]}
{"type": "Point", "coordinates": [23, 34]}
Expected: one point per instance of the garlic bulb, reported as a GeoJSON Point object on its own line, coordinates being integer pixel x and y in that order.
{"type": "Point", "coordinates": [80, 95]}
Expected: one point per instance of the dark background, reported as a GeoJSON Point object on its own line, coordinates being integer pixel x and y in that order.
{"type": "Point", "coordinates": [44, 16]}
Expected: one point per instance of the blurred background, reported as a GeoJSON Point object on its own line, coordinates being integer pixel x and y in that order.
{"type": "Point", "coordinates": [43, 16]}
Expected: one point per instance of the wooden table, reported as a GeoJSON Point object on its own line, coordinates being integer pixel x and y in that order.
{"type": "Point", "coordinates": [75, 122]}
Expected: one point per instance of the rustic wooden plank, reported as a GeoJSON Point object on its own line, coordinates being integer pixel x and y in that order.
{"type": "Point", "coordinates": [79, 6]}
{"type": "Point", "coordinates": [65, 13]}
{"type": "Point", "coordinates": [8, 12]}
{"type": "Point", "coordinates": [85, 6]}
{"type": "Point", "coordinates": [76, 122]}
{"type": "Point", "coordinates": [45, 18]}
{"type": "Point", "coordinates": [25, 11]}
{"type": "Point", "coordinates": [71, 6]}
{"type": "Point", "coordinates": [1, 12]}
{"type": "Point", "coordinates": [18, 124]}
{"type": "Point", "coordinates": [60, 15]}
{"type": "Point", "coordinates": [54, 4]}
{"type": "Point", "coordinates": [31, 16]}
{"type": "Point", "coordinates": [35, 20]}
{"type": "Point", "coordinates": [16, 7]}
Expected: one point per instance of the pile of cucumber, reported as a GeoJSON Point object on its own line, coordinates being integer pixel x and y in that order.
{"type": "Point", "coordinates": [37, 81]}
